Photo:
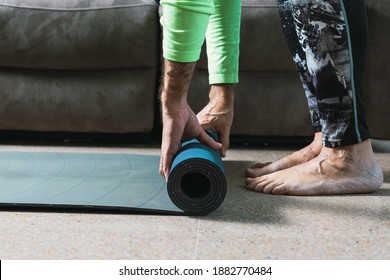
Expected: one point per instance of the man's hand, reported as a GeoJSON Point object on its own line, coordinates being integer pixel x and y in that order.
{"type": "Point", "coordinates": [180, 124]}
{"type": "Point", "coordinates": [179, 121]}
{"type": "Point", "coordinates": [218, 113]}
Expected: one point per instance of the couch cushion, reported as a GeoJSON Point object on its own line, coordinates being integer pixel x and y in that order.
{"type": "Point", "coordinates": [263, 45]}
{"type": "Point", "coordinates": [118, 101]}
{"type": "Point", "coordinates": [74, 34]}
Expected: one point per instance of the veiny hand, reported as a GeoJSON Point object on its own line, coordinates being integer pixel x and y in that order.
{"type": "Point", "coordinates": [180, 124]}
{"type": "Point", "coordinates": [218, 114]}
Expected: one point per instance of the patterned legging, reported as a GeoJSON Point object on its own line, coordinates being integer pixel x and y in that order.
{"type": "Point", "coordinates": [327, 39]}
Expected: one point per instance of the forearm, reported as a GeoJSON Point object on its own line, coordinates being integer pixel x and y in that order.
{"type": "Point", "coordinates": [176, 80]}
{"type": "Point", "coordinates": [184, 27]}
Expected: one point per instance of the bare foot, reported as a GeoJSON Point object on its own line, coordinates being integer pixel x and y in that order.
{"type": "Point", "coordinates": [346, 170]}
{"type": "Point", "coordinates": [298, 157]}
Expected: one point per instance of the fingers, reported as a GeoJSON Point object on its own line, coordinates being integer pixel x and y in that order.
{"type": "Point", "coordinates": [165, 164]}
{"type": "Point", "coordinates": [205, 139]}
{"type": "Point", "coordinates": [222, 130]}
{"type": "Point", "coordinates": [219, 121]}
{"type": "Point", "coordinates": [224, 137]}
{"type": "Point", "coordinates": [169, 149]}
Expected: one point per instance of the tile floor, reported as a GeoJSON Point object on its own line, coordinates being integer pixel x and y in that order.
{"type": "Point", "coordinates": [247, 226]}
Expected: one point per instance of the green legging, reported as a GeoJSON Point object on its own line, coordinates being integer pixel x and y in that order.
{"type": "Point", "coordinates": [186, 23]}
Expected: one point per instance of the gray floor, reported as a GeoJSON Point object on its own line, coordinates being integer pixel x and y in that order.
{"type": "Point", "coordinates": [247, 226]}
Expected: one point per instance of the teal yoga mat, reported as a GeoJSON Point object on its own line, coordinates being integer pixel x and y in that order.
{"type": "Point", "coordinates": [197, 182]}
{"type": "Point", "coordinates": [129, 182]}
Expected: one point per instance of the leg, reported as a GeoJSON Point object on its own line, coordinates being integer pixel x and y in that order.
{"type": "Point", "coordinates": [333, 35]}
{"type": "Point", "coordinates": [313, 149]}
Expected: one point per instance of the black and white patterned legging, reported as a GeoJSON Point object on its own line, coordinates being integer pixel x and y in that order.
{"type": "Point", "coordinates": [328, 40]}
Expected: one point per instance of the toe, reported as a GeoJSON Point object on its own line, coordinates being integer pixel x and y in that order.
{"type": "Point", "coordinates": [250, 173]}
{"type": "Point", "coordinates": [260, 187]}
{"type": "Point", "coordinates": [261, 184]}
{"type": "Point", "coordinates": [259, 165]}
{"type": "Point", "coordinates": [250, 183]}
{"type": "Point", "coordinates": [281, 189]}
{"type": "Point", "coordinates": [270, 187]}
{"type": "Point", "coordinates": [257, 170]}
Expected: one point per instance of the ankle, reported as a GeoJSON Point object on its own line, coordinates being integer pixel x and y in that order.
{"type": "Point", "coordinates": [360, 152]}
{"type": "Point", "coordinates": [316, 145]}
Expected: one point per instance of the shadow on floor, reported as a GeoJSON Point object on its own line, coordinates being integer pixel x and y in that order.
{"type": "Point", "coordinates": [386, 176]}
{"type": "Point", "coordinates": [246, 206]}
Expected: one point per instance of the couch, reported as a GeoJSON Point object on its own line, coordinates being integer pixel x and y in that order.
{"type": "Point", "coordinates": [93, 67]}
{"type": "Point", "coordinates": [78, 66]}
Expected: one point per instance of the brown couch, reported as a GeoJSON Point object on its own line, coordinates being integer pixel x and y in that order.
{"type": "Point", "coordinates": [93, 67]}
{"type": "Point", "coordinates": [78, 66]}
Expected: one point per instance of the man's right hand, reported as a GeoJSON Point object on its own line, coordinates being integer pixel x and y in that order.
{"type": "Point", "coordinates": [218, 113]}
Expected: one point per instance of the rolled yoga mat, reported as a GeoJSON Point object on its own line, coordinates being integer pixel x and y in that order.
{"type": "Point", "coordinates": [197, 182]}
{"type": "Point", "coordinates": [126, 182]}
